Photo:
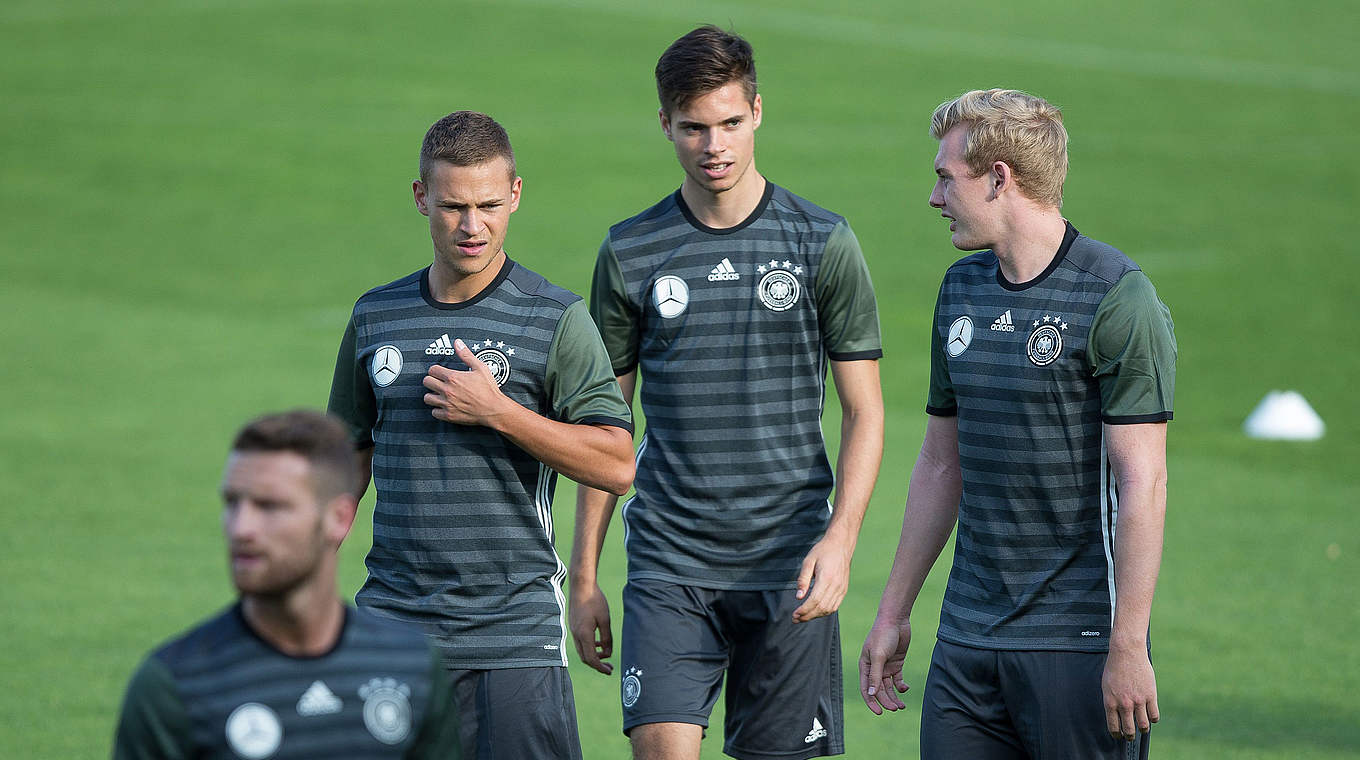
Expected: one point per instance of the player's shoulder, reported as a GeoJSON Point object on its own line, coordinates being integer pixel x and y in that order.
{"type": "Point", "coordinates": [1100, 260]}
{"type": "Point", "coordinates": [980, 262]}
{"type": "Point", "coordinates": [664, 213]}
{"type": "Point", "coordinates": [791, 206]}
{"type": "Point", "coordinates": [399, 288]}
{"type": "Point", "coordinates": [533, 285]}
{"type": "Point", "coordinates": [206, 640]}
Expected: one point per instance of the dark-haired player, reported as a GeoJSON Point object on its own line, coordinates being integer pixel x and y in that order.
{"type": "Point", "coordinates": [289, 671]}
{"type": "Point", "coordinates": [469, 385]}
{"type": "Point", "coordinates": [728, 298]}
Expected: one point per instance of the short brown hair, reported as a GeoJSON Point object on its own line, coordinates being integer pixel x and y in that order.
{"type": "Point", "coordinates": [1024, 131]}
{"type": "Point", "coordinates": [321, 439]}
{"type": "Point", "coordinates": [465, 138]}
{"type": "Point", "coordinates": [701, 62]}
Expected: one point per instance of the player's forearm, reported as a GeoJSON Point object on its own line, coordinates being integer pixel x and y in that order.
{"type": "Point", "coordinates": [931, 511]}
{"type": "Point", "coordinates": [594, 508]}
{"type": "Point", "coordinates": [857, 468]}
{"type": "Point", "coordinates": [600, 456]}
{"type": "Point", "coordinates": [1138, 457]}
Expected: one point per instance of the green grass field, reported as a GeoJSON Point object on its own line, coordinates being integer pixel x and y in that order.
{"type": "Point", "coordinates": [193, 193]}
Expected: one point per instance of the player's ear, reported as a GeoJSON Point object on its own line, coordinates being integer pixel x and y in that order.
{"type": "Point", "coordinates": [418, 190]}
{"type": "Point", "coordinates": [755, 112]}
{"type": "Point", "coordinates": [665, 123]}
{"type": "Point", "coordinates": [339, 517]}
{"type": "Point", "coordinates": [1001, 177]}
{"type": "Point", "coordinates": [516, 188]}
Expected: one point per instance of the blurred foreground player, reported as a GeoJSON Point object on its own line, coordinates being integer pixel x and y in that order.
{"type": "Point", "coordinates": [1052, 371]}
{"type": "Point", "coordinates": [729, 298]}
{"type": "Point", "coordinates": [469, 385]}
{"type": "Point", "coordinates": [289, 671]}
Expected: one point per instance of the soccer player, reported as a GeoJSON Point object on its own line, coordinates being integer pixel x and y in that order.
{"type": "Point", "coordinates": [729, 296]}
{"type": "Point", "coordinates": [1052, 371]}
{"type": "Point", "coordinates": [290, 671]}
{"type": "Point", "coordinates": [469, 385]}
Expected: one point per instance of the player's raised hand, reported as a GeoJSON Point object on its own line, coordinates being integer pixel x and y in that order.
{"type": "Point", "coordinates": [463, 397]}
{"type": "Point", "coordinates": [588, 613]}
{"type": "Point", "coordinates": [824, 578]}
{"type": "Point", "coordinates": [1130, 689]}
{"type": "Point", "coordinates": [880, 666]}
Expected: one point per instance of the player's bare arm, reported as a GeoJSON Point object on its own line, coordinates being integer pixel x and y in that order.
{"type": "Point", "coordinates": [598, 455]}
{"type": "Point", "coordinates": [931, 511]}
{"type": "Point", "coordinates": [588, 611]}
{"type": "Point", "coordinates": [363, 458]}
{"type": "Point", "coordinates": [825, 575]}
{"type": "Point", "coordinates": [1138, 455]}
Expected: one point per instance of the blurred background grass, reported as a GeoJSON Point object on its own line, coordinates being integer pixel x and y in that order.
{"type": "Point", "coordinates": [192, 195]}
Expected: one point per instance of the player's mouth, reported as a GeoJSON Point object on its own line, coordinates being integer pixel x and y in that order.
{"type": "Point", "coordinates": [717, 169]}
{"type": "Point", "coordinates": [952, 222]}
{"type": "Point", "coordinates": [472, 247]}
{"type": "Point", "coordinates": [244, 560]}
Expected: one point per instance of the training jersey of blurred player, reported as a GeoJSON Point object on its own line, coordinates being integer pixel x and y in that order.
{"type": "Point", "coordinates": [728, 297]}
{"type": "Point", "coordinates": [290, 671]}
{"type": "Point", "coordinates": [1052, 373]}
{"type": "Point", "coordinates": [469, 385]}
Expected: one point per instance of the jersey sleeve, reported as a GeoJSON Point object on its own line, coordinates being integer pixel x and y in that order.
{"type": "Point", "coordinates": [352, 398]}
{"type": "Point", "coordinates": [940, 400]}
{"type": "Point", "coordinates": [439, 734]}
{"type": "Point", "coordinates": [580, 382]}
{"type": "Point", "coordinates": [153, 723]}
{"type": "Point", "coordinates": [846, 310]}
{"type": "Point", "coordinates": [1131, 351]}
{"type": "Point", "coordinates": [614, 312]}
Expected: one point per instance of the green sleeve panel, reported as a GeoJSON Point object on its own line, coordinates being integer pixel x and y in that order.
{"type": "Point", "coordinates": [352, 398]}
{"type": "Point", "coordinates": [439, 731]}
{"type": "Point", "coordinates": [846, 309]}
{"type": "Point", "coordinates": [579, 380]}
{"type": "Point", "coordinates": [614, 314]}
{"type": "Point", "coordinates": [940, 401]}
{"type": "Point", "coordinates": [1131, 351]}
{"type": "Point", "coordinates": [153, 723]}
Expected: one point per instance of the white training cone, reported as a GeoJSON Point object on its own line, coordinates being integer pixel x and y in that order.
{"type": "Point", "coordinates": [1284, 416]}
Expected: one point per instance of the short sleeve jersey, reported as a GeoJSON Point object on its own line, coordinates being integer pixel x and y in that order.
{"type": "Point", "coordinates": [731, 330]}
{"type": "Point", "coordinates": [462, 530]}
{"type": "Point", "coordinates": [1033, 372]}
{"type": "Point", "coordinates": [221, 691]}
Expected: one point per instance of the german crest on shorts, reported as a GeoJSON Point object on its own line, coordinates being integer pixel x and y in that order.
{"type": "Point", "coordinates": [778, 289]}
{"type": "Point", "coordinates": [632, 687]}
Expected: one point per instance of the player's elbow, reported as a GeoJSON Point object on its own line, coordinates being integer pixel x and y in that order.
{"type": "Point", "coordinates": [620, 476]}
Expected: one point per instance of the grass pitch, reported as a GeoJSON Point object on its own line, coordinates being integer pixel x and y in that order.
{"type": "Point", "coordinates": [193, 193]}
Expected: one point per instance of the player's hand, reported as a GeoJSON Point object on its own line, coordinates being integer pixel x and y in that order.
{"type": "Point", "coordinates": [823, 579]}
{"type": "Point", "coordinates": [880, 666]}
{"type": "Point", "coordinates": [463, 397]}
{"type": "Point", "coordinates": [588, 613]}
{"type": "Point", "coordinates": [1130, 689]}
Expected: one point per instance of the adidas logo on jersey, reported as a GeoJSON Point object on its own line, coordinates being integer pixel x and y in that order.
{"type": "Point", "coordinates": [318, 700]}
{"type": "Point", "coordinates": [816, 733]}
{"type": "Point", "coordinates": [723, 272]}
{"type": "Point", "coordinates": [441, 347]}
{"type": "Point", "coordinates": [1003, 323]}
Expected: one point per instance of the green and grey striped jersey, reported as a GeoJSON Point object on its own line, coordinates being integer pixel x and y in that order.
{"type": "Point", "coordinates": [731, 330]}
{"type": "Point", "coordinates": [463, 530]}
{"type": "Point", "coordinates": [1033, 371]}
{"type": "Point", "coordinates": [220, 691]}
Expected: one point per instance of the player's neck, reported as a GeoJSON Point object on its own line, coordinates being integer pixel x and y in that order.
{"type": "Point", "coordinates": [305, 622]}
{"type": "Point", "coordinates": [1031, 242]}
{"type": "Point", "coordinates": [729, 207]}
{"type": "Point", "coordinates": [450, 286]}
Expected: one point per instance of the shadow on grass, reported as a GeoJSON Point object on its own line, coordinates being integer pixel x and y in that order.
{"type": "Point", "coordinates": [1273, 725]}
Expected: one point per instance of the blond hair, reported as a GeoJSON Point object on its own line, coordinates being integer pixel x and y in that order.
{"type": "Point", "coordinates": [1024, 131]}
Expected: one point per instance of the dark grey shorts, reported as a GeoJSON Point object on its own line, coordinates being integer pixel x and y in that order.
{"type": "Point", "coordinates": [783, 679]}
{"type": "Point", "coordinates": [992, 704]}
{"type": "Point", "coordinates": [516, 713]}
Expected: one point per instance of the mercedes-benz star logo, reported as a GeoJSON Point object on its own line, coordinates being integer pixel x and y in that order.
{"type": "Point", "coordinates": [671, 295]}
{"type": "Point", "coordinates": [386, 365]}
{"type": "Point", "coordinates": [960, 335]}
